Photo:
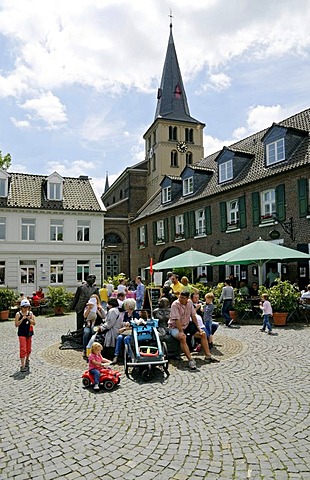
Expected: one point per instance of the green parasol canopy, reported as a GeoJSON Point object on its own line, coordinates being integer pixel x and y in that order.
{"type": "Point", "coordinates": [259, 253]}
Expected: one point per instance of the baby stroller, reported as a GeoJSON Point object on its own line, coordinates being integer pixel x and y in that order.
{"type": "Point", "coordinates": [146, 350]}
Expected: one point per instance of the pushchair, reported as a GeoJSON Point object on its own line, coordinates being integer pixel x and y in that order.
{"type": "Point", "coordinates": [146, 351]}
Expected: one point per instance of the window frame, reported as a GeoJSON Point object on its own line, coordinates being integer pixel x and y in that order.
{"type": "Point", "coordinates": [232, 213]}
{"type": "Point", "coordinates": [57, 226]}
{"type": "Point", "coordinates": [226, 171]}
{"type": "Point", "coordinates": [82, 226]}
{"type": "Point", "coordinates": [271, 211]}
{"type": "Point", "coordinates": [200, 222]}
{"type": "Point", "coordinates": [3, 228]}
{"type": "Point", "coordinates": [166, 194]}
{"type": "Point", "coordinates": [58, 266]}
{"type": "Point", "coordinates": [179, 226]}
{"type": "Point", "coordinates": [160, 230]}
{"type": "Point", "coordinates": [28, 229]}
{"type": "Point", "coordinates": [274, 157]}
{"type": "Point", "coordinates": [188, 186]}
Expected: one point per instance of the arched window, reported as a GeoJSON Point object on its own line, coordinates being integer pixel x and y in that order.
{"type": "Point", "coordinates": [112, 239]}
{"type": "Point", "coordinates": [174, 159]}
{"type": "Point", "coordinates": [173, 133]}
{"type": "Point", "coordinates": [189, 158]}
{"type": "Point", "coordinates": [189, 135]}
{"type": "Point", "coordinates": [154, 162]}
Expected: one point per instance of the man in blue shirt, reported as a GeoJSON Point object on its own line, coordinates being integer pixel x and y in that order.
{"type": "Point", "coordinates": [139, 293]}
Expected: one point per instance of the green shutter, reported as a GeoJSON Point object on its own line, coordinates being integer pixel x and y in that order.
{"type": "Point", "coordinates": [154, 232]}
{"type": "Point", "coordinates": [223, 215]}
{"type": "Point", "coordinates": [138, 236]}
{"type": "Point", "coordinates": [280, 203]}
{"type": "Point", "coordinates": [145, 231]}
{"type": "Point", "coordinates": [208, 220]}
{"type": "Point", "coordinates": [192, 227]}
{"type": "Point", "coordinates": [256, 208]}
{"type": "Point", "coordinates": [166, 229]}
{"type": "Point", "coordinates": [242, 212]}
{"type": "Point", "coordinates": [186, 225]}
{"type": "Point", "coordinates": [303, 197]}
{"type": "Point", "coordinates": [172, 227]}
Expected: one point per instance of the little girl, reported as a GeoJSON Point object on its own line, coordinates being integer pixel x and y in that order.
{"type": "Point", "coordinates": [24, 321]}
{"type": "Point", "coordinates": [96, 361]}
{"type": "Point", "coordinates": [267, 313]}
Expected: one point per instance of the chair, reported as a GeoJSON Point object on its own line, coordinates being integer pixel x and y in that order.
{"type": "Point", "coordinates": [304, 309]}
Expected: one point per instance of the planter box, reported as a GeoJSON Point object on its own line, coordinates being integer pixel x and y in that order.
{"type": "Point", "coordinates": [279, 318]}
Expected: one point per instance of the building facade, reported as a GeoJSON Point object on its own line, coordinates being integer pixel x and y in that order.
{"type": "Point", "coordinates": [51, 228]}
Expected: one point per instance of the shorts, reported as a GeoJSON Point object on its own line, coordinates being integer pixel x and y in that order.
{"type": "Point", "coordinates": [191, 329]}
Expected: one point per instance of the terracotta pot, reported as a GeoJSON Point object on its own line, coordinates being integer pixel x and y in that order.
{"type": "Point", "coordinates": [4, 315]}
{"type": "Point", "coordinates": [59, 310]}
{"type": "Point", "coordinates": [279, 318]}
{"type": "Point", "coordinates": [233, 314]}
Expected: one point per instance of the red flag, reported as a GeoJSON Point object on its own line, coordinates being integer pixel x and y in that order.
{"type": "Point", "coordinates": [151, 266]}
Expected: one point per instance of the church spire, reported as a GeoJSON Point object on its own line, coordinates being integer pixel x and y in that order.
{"type": "Point", "coordinates": [106, 188]}
{"type": "Point", "coordinates": [171, 96]}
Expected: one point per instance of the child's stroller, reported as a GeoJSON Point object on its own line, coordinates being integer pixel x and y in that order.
{"type": "Point", "coordinates": [146, 350]}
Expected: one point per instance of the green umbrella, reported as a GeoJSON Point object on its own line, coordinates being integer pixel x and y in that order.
{"type": "Point", "coordinates": [259, 253]}
{"type": "Point", "coordinates": [191, 259]}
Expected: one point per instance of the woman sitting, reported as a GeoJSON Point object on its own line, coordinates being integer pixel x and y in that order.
{"type": "Point", "coordinates": [129, 306]}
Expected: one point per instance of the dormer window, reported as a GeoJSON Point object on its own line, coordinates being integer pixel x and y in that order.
{"type": "Point", "coordinates": [4, 183]}
{"type": "Point", "coordinates": [188, 186]}
{"type": "Point", "coordinates": [225, 171]}
{"type": "Point", "coordinates": [275, 152]}
{"type": "Point", "coordinates": [166, 194]}
{"type": "Point", "coordinates": [55, 187]}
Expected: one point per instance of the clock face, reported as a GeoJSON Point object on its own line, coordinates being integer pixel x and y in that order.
{"type": "Point", "coordinates": [182, 147]}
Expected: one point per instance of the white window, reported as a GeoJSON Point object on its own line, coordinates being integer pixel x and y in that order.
{"type": "Point", "coordinates": [82, 270]}
{"type": "Point", "coordinates": [275, 152]}
{"type": "Point", "coordinates": [166, 194]}
{"type": "Point", "coordinates": [83, 231]}
{"type": "Point", "coordinates": [2, 272]}
{"type": "Point", "coordinates": [188, 186]}
{"type": "Point", "coordinates": [28, 228]}
{"type": "Point", "coordinates": [200, 222]}
{"type": "Point", "coordinates": [226, 171]}
{"type": "Point", "coordinates": [268, 204]}
{"type": "Point", "coordinates": [57, 271]}
{"type": "Point", "coordinates": [233, 213]}
{"type": "Point", "coordinates": [160, 231]}
{"type": "Point", "coordinates": [3, 187]}
{"type": "Point", "coordinates": [54, 191]}
{"type": "Point", "coordinates": [2, 228]}
{"type": "Point", "coordinates": [56, 230]}
{"type": "Point", "coordinates": [179, 226]}
{"type": "Point", "coordinates": [142, 236]}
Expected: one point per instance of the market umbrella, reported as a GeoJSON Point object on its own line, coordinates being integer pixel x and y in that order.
{"type": "Point", "coordinates": [190, 259]}
{"type": "Point", "coordinates": [259, 253]}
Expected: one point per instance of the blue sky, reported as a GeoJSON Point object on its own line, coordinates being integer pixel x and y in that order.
{"type": "Point", "coordinates": [78, 80]}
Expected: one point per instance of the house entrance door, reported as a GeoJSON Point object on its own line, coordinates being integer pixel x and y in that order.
{"type": "Point", "coordinates": [27, 276]}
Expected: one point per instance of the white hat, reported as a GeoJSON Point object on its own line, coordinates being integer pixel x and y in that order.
{"type": "Point", "coordinates": [25, 303]}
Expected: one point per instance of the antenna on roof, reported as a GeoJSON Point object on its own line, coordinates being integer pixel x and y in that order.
{"type": "Point", "coordinates": [171, 17]}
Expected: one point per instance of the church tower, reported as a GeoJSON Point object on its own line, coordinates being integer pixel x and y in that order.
{"type": "Point", "coordinates": [175, 139]}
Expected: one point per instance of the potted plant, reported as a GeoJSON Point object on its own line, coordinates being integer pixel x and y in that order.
{"type": "Point", "coordinates": [7, 300]}
{"type": "Point", "coordinates": [283, 296]}
{"type": "Point", "coordinates": [240, 305]}
{"type": "Point", "coordinates": [59, 299]}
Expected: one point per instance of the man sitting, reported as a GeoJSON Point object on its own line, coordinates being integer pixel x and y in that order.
{"type": "Point", "coordinates": [306, 295]}
{"type": "Point", "coordinates": [179, 324]}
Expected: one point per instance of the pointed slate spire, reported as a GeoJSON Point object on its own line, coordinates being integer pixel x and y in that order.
{"type": "Point", "coordinates": [171, 96]}
{"type": "Point", "coordinates": [106, 188]}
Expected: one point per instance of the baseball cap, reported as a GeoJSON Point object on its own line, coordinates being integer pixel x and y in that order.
{"type": "Point", "coordinates": [25, 303]}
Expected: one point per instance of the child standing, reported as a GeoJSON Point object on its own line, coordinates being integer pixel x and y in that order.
{"type": "Point", "coordinates": [24, 321]}
{"type": "Point", "coordinates": [265, 305]}
{"type": "Point", "coordinates": [96, 361]}
{"type": "Point", "coordinates": [207, 316]}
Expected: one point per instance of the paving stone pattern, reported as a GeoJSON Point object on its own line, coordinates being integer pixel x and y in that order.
{"type": "Point", "coordinates": [244, 418]}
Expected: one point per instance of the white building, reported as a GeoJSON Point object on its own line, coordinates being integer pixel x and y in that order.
{"type": "Point", "coordinates": [51, 231]}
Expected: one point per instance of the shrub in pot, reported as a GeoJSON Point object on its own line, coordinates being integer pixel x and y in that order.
{"type": "Point", "coordinates": [59, 299]}
{"type": "Point", "coordinates": [283, 296]}
{"type": "Point", "coordinates": [7, 300]}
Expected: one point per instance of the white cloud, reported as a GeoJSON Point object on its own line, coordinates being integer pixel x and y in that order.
{"type": "Point", "coordinates": [47, 108]}
{"type": "Point", "coordinates": [217, 82]}
{"type": "Point", "coordinates": [20, 123]}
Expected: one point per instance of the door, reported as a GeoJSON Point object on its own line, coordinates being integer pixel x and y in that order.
{"type": "Point", "coordinates": [27, 276]}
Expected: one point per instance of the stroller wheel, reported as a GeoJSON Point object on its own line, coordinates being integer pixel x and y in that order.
{"type": "Point", "coordinates": [146, 375]}
{"type": "Point", "coordinates": [165, 350]}
{"type": "Point", "coordinates": [126, 356]}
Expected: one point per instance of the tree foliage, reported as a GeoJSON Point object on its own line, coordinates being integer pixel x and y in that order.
{"type": "Point", "coordinates": [5, 160]}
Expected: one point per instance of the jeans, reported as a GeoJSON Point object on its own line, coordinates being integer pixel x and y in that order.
{"type": "Point", "coordinates": [139, 304]}
{"type": "Point", "coordinates": [266, 323]}
{"type": "Point", "coordinates": [119, 343]}
{"type": "Point", "coordinates": [225, 310]}
{"type": "Point", "coordinates": [87, 334]}
{"type": "Point", "coordinates": [96, 373]}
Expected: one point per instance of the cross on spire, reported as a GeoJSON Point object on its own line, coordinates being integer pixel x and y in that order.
{"type": "Point", "coordinates": [171, 17]}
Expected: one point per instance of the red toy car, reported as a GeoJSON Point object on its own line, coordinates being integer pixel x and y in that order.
{"type": "Point", "coordinates": [108, 378]}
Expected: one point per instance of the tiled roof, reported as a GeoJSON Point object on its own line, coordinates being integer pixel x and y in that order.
{"type": "Point", "coordinates": [29, 191]}
{"type": "Point", "coordinates": [255, 169]}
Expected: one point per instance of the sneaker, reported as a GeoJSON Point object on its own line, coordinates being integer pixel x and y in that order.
{"type": "Point", "coordinates": [96, 387]}
{"type": "Point", "coordinates": [24, 369]}
{"type": "Point", "coordinates": [262, 329]}
{"type": "Point", "coordinates": [230, 323]}
{"type": "Point", "coordinates": [192, 365]}
{"type": "Point", "coordinates": [114, 361]}
{"type": "Point", "coordinates": [272, 333]}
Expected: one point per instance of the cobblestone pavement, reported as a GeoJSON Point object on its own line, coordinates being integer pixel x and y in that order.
{"type": "Point", "coordinates": [244, 418]}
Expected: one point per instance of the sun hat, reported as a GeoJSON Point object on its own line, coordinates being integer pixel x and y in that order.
{"type": "Point", "coordinates": [25, 303]}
